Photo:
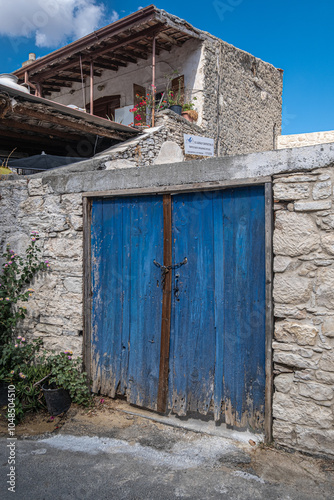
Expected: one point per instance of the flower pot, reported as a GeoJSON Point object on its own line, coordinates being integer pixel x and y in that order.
{"type": "Point", "coordinates": [3, 393]}
{"type": "Point", "coordinates": [191, 115]}
{"type": "Point", "coordinates": [58, 400]}
{"type": "Point", "coordinates": [176, 108]}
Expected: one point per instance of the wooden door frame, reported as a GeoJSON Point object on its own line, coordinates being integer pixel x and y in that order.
{"type": "Point", "coordinates": [176, 189]}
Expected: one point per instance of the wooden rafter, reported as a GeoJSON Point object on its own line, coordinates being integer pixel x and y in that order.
{"type": "Point", "coordinates": [28, 138]}
{"type": "Point", "coordinates": [111, 59]}
{"type": "Point", "coordinates": [73, 124]}
{"type": "Point", "coordinates": [105, 65]}
{"type": "Point", "coordinates": [168, 39]}
{"type": "Point", "coordinates": [67, 78]}
{"type": "Point", "coordinates": [138, 36]}
{"type": "Point", "coordinates": [125, 57]}
{"type": "Point", "coordinates": [57, 83]}
{"type": "Point", "coordinates": [18, 125]}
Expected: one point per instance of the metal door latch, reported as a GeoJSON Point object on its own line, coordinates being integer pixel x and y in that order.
{"type": "Point", "coordinates": [165, 269]}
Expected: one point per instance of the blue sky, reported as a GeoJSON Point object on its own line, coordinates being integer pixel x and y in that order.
{"type": "Point", "coordinates": [295, 35]}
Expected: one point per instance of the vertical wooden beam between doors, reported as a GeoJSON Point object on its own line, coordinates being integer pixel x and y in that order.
{"type": "Point", "coordinates": [166, 306]}
{"type": "Point", "coordinates": [269, 310]}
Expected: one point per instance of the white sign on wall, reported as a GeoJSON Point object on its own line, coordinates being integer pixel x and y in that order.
{"type": "Point", "coordinates": [196, 145]}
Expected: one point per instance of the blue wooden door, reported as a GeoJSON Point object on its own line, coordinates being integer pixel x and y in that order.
{"type": "Point", "coordinates": [217, 350]}
{"type": "Point", "coordinates": [126, 237]}
{"type": "Point", "coordinates": [217, 324]}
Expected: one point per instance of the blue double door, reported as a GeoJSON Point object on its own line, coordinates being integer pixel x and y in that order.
{"type": "Point", "coordinates": [178, 302]}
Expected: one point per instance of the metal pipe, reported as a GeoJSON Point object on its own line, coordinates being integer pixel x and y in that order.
{"type": "Point", "coordinates": [26, 80]}
{"type": "Point", "coordinates": [91, 87]}
{"type": "Point", "coordinates": [82, 84]}
{"type": "Point", "coordinates": [153, 82]}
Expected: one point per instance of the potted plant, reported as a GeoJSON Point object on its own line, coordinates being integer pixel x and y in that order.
{"type": "Point", "coordinates": [188, 111]}
{"type": "Point", "coordinates": [66, 382]}
{"type": "Point", "coordinates": [142, 111]}
{"type": "Point", "coordinates": [174, 100]}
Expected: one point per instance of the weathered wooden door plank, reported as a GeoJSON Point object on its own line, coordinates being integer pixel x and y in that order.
{"type": "Point", "coordinates": [166, 306]}
{"type": "Point", "coordinates": [126, 303]}
{"type": "Point", "coordinates": [244, 306]}
{"type": "Point", "coordinates": [145, 301]}
{"type": "Point", "coordinates": [193, 335]}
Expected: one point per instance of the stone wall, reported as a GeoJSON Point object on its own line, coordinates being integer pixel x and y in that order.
{"type": "Point", "coordinates": [55, 310]}
{"type": "Point", "coordinates": [144, 149]}
{"type": "Point", "coordinates": [300, 140]}
{"type": "Point", "coordinates": [242, 101]}
{"type": "Point", "coordinates": [303, 346]}
{"type": "Point", "coordinates": [304, 311]}
{"type": "Point", "coordinates": [27, 204]}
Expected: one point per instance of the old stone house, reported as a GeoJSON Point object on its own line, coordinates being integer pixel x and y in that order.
{"type": "Point", "coordinates": [238, 96]}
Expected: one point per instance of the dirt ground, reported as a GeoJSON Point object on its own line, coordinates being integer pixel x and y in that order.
{"type": "Point", "coordinates": [113, 419]}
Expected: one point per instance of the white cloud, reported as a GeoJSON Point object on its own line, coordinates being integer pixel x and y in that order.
{"type": "Point", "coordinates": [50, 22]}
{"type": "Point", "coordinates": [114, 16]}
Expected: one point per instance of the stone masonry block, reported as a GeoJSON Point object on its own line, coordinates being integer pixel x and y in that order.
{"type": "Point", "coordinates": [318, 392]}
{"type": "Point", "coordinates": [63, 247]}
{"type": "Point", "coordinates": [311, 206]}
{"type": "Point", "coordinates": [327, 361]}
{"type": "Point", "coordinates": [295, 234]}
{"type": "Point", "coordinates": [322, 190]}
{"type": "Point", "coordinates": [327, 242]}
{"type": "Point", "coordinates": [303, 334]}
{"type": "Point", "coordinates": [295, 411]}
{"type": "Point", "coordinates": [291, 191]}
{"type": "Point", "coordinates": [325, 288]}
{"type": "Point", "coordinates": [294, 360]}
{"type": "Point", "coordinates": [284, 382]}
{"type": "Point", "coordinates": [289, 288]}
{"type": "Point", "coordinates": [315, 440]}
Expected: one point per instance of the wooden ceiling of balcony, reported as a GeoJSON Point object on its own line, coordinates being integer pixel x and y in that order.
{"type": "Point", "coordinates": [29, 123]}
{"type": "Point", "coordinates": [110, 48]}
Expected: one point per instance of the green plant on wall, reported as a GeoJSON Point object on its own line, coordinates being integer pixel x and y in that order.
{"type": "Point", "coordinates": [20, 367]}
{"type": "Point", "coordinates": [4, 170]}
{"type": "Point", "coordinates": [17, 274]}
{"type": "Point", "coordinates": [66, 373]}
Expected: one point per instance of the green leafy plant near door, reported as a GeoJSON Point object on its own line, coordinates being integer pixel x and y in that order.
{"type": "Point", "coordinates": [65, 371]}
{"type": "Point", "coordinates": [17, 274]}
{"type": "Point", "coordinates": [23, 365]}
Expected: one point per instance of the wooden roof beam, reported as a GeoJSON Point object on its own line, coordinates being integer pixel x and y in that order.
{"type": "Point", "coordinates": [51, 88]}
{"type": "Point", "coordinates": [159, 47]}
{"type": "Point", "coordinates": [136, 19]}
{"type": "Point", "coordinates": [144, 49]}
{"type": "Point", "coordinates": [139, 55]}
{"type": "Point", "coordinates": [57, 83]}
{"type": "Point", "coordinates": [80, 126]}
{"type": "Point", "coordinates": [123, 57]}
{"type": "Point", "coordinates": [40, 130]}
{"type": "Point", "coordinates": [67, 78]}
{"type": "Point", "coordinates": [105, 65]}
{"type": "Point", "coordinates": [121, 43]}
{"type": "Point", "coordinates": [111, 58]}
{"type": "Point", "coordinates": [168, 39]}
{"type": "Point", "coordinates": [30, 138]}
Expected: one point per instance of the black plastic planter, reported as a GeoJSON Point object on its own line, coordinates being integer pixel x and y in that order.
{"type": "Point", "coordinates": [176, 108]}
{"type": "Point", "coordinates": [3, 393]}
{"type": "Point", "coordinates": [57, 400]}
